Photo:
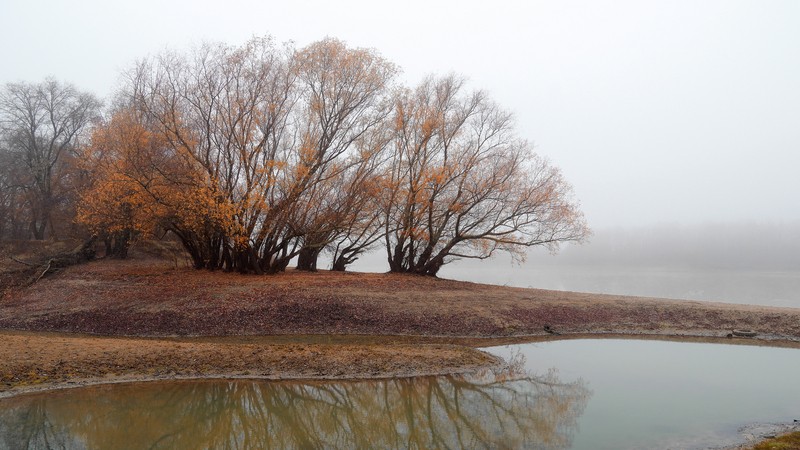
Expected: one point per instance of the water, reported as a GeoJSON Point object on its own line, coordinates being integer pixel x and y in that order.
{"type": "Point", "coordinates": [746, 263]}
{"type": "Point", "coordinates": [742, 286]}
{"type": "Point", "coordinates": [659, 394]}
{"type": "Point", "coordinates": [582, 394]}
{"type": "Point", "coordinates": [766, 286]}
{"type": "Point", "coordinates": [485, 411]}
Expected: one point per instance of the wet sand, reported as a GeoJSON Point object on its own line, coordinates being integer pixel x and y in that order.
{"type": "Point", "coordinates": [143, 319]}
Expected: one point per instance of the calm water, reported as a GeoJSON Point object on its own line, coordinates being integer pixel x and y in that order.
{"type": "Point", "coordinates": [658, 394]}
{"type": "Point", "coordinates": [756, 285]}
{"type": "Point", "coordinates": [743, 286]}
{"type": "Point", "coordinates": [443, 412]}
{"type": "Point", "coordinates": [591, 394]}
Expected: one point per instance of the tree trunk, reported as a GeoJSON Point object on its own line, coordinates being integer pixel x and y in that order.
{"type": "Point", "coordinates": [307, 259]}
{"type": "Point", "coordinates": [279, 265]}
{"type": "Point", "coordinates": [122, 242]}
{"type": "Point", "coordinates": [41, 218]}
{"type": "Point", "coordinates": [80, 255]}
{"type": "Point", "coordinates": [340, 264]}
{"type": "Point", "coordinates": [109, 243]}
{"type": "Point", "coordinates": [37, 230]}
{"type": "Point", "coordinates": [396, 258]}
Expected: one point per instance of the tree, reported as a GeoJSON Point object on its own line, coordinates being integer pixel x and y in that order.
{"type": "Point", "coordinates": [255, 155]}
{"type": "Point", "coordinates": [134, 182]}
{"type": "Point", "coordinates": [12, 198]}
{"type": "Point", "coordinates": [462, 185]}
{"type": "Point", "coordinates": [263, 130]}
{"type": "Point", "coordinates": [225, 112]}
{"type": "Point", "coordinates": [363, 226]}
{"type": "Point", "coordinates": [42, 125]}
{"type": "Point", "coordinates": [344, 101]}
{"type": "Point", "coordinates": [346, 218]}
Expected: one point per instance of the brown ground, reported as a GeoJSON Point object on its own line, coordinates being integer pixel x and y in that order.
{"type": "Point", "coordinates": [152, 298]}
{"type": "Point", "coordinates": [32, 360]}
{"type": "Point", "coordinates": [143, 297]}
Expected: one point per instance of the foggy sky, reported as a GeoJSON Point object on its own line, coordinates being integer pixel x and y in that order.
{"type": "Point", "coordinates": [679, 112]}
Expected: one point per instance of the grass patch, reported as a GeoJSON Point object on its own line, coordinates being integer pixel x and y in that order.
{"type": "Point", "coordinates": [789, 441]}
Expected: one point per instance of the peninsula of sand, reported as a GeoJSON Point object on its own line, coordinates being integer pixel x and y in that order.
{"type": "Point", "coordinates": [149, 318]}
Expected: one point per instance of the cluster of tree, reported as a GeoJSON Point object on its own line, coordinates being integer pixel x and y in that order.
{"type": "Point", "coordinates": [42, 127]}
{"type": "Point", "coordinates": [255, 155]}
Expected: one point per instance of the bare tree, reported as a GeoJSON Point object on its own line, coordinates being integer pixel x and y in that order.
{"type": "Point", "coordinates": [345, 100]}
{"type": "Point", "coordinates": [346, 218]}
{"type": "Point", "coordinates": [276, 153]}
{"type": "Point", "coordinates": [223, 111]}
{"type": "Point", "coordinates": [41, 125]}
{"type": "Point", "coordinates": [462, 185]}
{"type": "Point", "coordinates": [265, 129]}
{"type": "Point", "coordinates": [363, 226]}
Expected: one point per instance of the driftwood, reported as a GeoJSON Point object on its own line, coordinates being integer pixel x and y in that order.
{"type": "Point", "coordinates": [84, 253]}
{"type": "Point", "coordinates": [745, 333]}
{"type": "Point", "coordinates": [22, 262]}
{"type": "Point", "coordinates": [46, 269]}
{"type": "Point", "coordinates": [550, 330]}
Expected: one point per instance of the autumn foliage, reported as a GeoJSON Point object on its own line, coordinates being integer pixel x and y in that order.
{"type": "Point", "coordinates": [253, 156]}
{"type": "Point", "coordinates": [138, 184]}
{"type": "Point", "coordinates": [462, 184]}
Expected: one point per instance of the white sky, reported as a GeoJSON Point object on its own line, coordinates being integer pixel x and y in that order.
{"type": "Point", "coordinates": [667, 111]}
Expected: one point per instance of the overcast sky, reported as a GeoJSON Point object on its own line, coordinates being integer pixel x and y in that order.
{"type": "Point", "coordinates": [681, 112]}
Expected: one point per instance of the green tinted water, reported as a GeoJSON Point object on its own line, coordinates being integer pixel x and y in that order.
{"type": "Point", "coordinates": [587, 394]}
{"type": "Point", "coordinates": [443, 412]}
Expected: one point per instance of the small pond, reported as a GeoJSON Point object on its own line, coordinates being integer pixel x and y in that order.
{"type": "Point", "coordinates": [662, 394]}
{"type": "Point", "coordinates": [591, 394]}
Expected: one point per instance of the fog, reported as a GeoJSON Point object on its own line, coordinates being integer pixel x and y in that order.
{"type": "Point", "coordinates": [711, 246]}
{"type": "Point", "coordinates": [680, 113]}
{"type": "Point", "coordinates": [752, 263]}
{"type": "Point", "coordinates": [746, 246]}
{"type": "Point", "coordinates": [657, 111]}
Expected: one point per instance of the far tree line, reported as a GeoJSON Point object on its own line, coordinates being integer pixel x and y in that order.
{"type": "Point", "coordinates": [254, 155]}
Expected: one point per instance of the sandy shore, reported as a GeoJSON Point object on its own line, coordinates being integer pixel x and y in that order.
{"type": "Point", "coordinates": [38, 361]}
{"type": "Point", "coordinates": [179, 323]}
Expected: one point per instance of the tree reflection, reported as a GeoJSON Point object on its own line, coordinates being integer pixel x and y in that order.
{"type": "Point", "coordinates": [490, 410]}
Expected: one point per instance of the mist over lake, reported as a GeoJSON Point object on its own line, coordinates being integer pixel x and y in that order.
{"type": "Point", "coordinates": [747, 263]}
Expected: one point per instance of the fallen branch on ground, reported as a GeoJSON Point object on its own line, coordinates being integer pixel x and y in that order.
{"type": "Point", "coordinates": [80, 255]}
{"type": "Point", "coordinates": [22, 262]}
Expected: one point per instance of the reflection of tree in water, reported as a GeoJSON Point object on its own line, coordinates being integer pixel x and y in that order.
{"type": "Point", "coordinates": [506, 410]}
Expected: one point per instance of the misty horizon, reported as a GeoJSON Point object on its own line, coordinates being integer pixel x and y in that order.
{"type": "Point", "coordinates": [655, 112]}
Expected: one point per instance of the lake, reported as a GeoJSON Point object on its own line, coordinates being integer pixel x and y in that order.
{"type": "Point", "coordinates": [581, 394]}
{"type": "Point", "coordinates": [747, 263]}
{"type": "Point", "coordinates": [742, 286]}
{"type": "Point", "coordinates": [767, 286]}
{"type": "Point", "coordinates": [661, 394]}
